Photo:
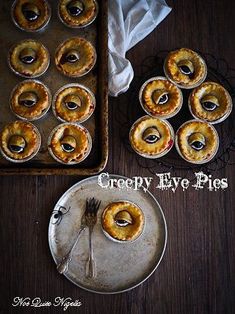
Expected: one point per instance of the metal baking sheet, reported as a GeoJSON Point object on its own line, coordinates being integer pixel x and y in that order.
{"type": "Point", "coordinates": [119, 267]}
{"type": "Point", "coordinates": [54, 34]}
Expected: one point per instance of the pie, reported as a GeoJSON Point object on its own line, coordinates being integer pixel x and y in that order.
{"type": "Point", "coordinates": [161, 98]}
{"type": "Point", "coordinates": [73, 103]}
{"type": "Point", "coordinates": [123, 221]}
{"type": "Point", "coordinates": [151, 137]}
{"type": "Point", "coordinates": [197, 141]}
{"type": "Point", "coordinates": [185, 67]}
{"type": "Point", "coordinates": [210, 102]}
{"type": "Point", "coordinates": [30, 100]}
{"type": "Point", "coordinates": [69, 143]}
{"type": "Point", "coordinates": [31, 15]}
{"type": "Point", "coordinates": [29, 58]}
{"type": "Point", "coordinates": [75, 57]}
{"type": "Point", "coordinates": [19, 141]}
{"type": "Point", "coordinates": [77, 13]}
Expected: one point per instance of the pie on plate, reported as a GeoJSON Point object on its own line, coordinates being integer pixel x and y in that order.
{"type": "Point", "coordinates": [122, 221]}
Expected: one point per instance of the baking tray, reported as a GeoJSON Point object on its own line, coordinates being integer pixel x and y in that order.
{"type": "Point", "coordinates": [97, 80]}
{"type": "Point", "coordinates": [119, 266]}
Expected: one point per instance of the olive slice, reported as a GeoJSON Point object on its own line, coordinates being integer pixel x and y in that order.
{"type": "Point", "coordinates": [30, 11]}
{"type": "Point", "coordinates": [186, 67]}
{"type": "Point", "coordinates": [72, 56]}
{"type": "Point", "coordinates": [72, 102]}
{"type": "Point", "coordinates": [151, 135]}
{"type": "Point", "coordinates": [160, 97]}
{"type": "Point", "coordinates": [123, 218]}
{"type": "Point", "coordinates": [209, 102]}
{"type": "Point", "coordinates": [16, 144]}
{"type": "Point", "coordinates": [27, 55]}
{"type": "Point", "coordinates": [28, 99]}
{"type": "Point", "coordinates": [75, 8]}
{"type": "Point", "coordinates": [197, 141]}
{"type": "Point", "coordinates": [68, 143]}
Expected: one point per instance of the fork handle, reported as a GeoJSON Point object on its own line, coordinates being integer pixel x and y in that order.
{"type": "Point", "coordinates": [90, 266]}
{"type": "Point", "coordinates": [62, 267]}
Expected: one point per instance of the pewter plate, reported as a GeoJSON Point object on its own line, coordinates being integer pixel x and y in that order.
{"type": "Point", "coordinates": [119, 267]}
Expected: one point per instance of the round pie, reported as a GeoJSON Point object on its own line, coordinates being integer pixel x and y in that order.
{"type": "Point", "coordinates": [197, 141]}
{"type": "Point", "coordinates": [30, 100]}
{"type": "Point", "coordinates": [19, 141]}
{"type": "Point", "coordinates": [31, 15]}
{"type": "Point", "coordinates": [151, 137]}
{"type": "Point", "coordinates": [185, 67]}
{"type": "Point", "coordinates": [160, 98]}
{"type": "Point", "coordinates": [123, 221]}
{"type": "Point", "coordinates": [75, 13]}
{"type": "Point", "coordinates": [75, 57]}
{"type": "Point", "coordinates": [69, 143]}
{"type": "Point", "coordinates": [210, 102]}
{"type": "Point", "coordinates": [29, 58]}
{"type": "Point", "coordinates": [73, 103]}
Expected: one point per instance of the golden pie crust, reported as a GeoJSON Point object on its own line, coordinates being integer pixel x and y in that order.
{"type": "Point", "coordinates": [86, 61]}
{"type": "Point", "coordinates": [86, 17]}
{"type": "Point", "coordinates": [210, 88]}
{"type": "Point", "coordinates": [39, 23]}
{"type": "Point", "coordinates": [42, 104]}
{"type": "Point", "coordinates": [153, 149]}
{"type": "Point", "coordinates": [82, 143]}
{"type": "Point", "coordinates": [37, 67]}
{"type": "Point", "coordinates": [28, 132]}
{"type": "Point", "coordinates": [174, 102]}
{"type": "Point", "coordinates": [81, 113]}
{"type": "Point", "coordinates": [211, 141]}
{"type": "Point", "coordinates": [173, 72]}
{"type": "Point", "coordinates": [131, 231]}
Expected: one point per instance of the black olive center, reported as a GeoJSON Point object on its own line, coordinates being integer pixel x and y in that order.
{"type": "Point", "coordinates": [75, 9]}
{"type": "Point", "coordinates": [29, 14]}
{"type": "Point", "coordinates": [197, 145]}
{"type": "Point", "coordinates": [27, 59]}
{"type": "Point", "coordinates": [209, 106]}
{"type": "Point", "coordinates": [71, 105]}
{"type": "Point", "coordinates": [151, 139]}
{"type": "Point", "coordinates": [67, 148]}
{"type": "Point", "coordinates": [163, 99]}
{"type": "Point", "coordinates": [16, 148]}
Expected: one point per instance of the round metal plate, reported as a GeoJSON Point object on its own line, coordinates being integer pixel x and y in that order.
{"type": "Point", "coordinates": [119, 267]}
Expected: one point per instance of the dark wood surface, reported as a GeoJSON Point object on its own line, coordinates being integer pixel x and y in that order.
{"type": "Point", "coordinates": [197, 271]}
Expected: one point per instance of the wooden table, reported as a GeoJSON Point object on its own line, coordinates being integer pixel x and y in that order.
{"type": "Point", "coordinates": [197, 271]}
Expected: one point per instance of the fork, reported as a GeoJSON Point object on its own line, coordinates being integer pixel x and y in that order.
{"type": "Point", "coordinates": [62, 267]}
{"type": "Point", "coordinates": [91, 218]}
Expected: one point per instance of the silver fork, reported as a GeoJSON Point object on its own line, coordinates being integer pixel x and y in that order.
{"type": "Point", "coordinates": [91, 218]}
{"type": "Point", "coordinates": [62, 267]}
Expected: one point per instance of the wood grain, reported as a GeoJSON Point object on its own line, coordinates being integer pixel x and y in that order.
{"type": "Point", "coordinates": [197, 271]}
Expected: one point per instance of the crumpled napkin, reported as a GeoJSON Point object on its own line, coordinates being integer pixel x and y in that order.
{"type": "Point", "coordinates": [130, 21]}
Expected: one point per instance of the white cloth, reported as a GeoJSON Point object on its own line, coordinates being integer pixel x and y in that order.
{"type": "Point", "coordinates": [130, 21]}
